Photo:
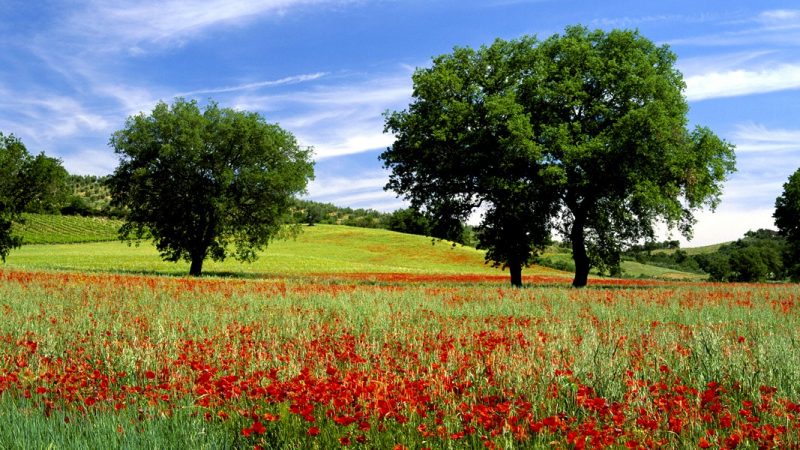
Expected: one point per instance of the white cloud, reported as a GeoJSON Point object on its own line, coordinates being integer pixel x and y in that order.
{"type": "Point", "coordinates": [726, 224]}
{"type": "Point", "coordinates": [90, 162]}
{"type": "Point", "coordinates": [348, 140]}
{"type": "Point", "coordinates": [755, 138]}
{"type": "Point", "coordinates": [128, 25]}
{"type": "Point", "coordinates": [762, 157]}
{"type": "Point", "coordinates": [780, 18]}
{"type": "Point", "coordinates": [359, 190]}
{"type": "Point", "coordinates": [733, 83]}
{"type": "Point", "coordinates": [720, 62]}
{"type": "Point", "coordinates": [45, 116]}
{"type": "Point", "coordinates": [631, 22]}
{"type": "Point", "coordinates": [336, 119]}
{"type": "Point", "coordinates": [337, 186]}
{"type": "Point", "coordinates": [257, 85]}
{"type": "Point", "coordinates": [779, 26]}
{"type": "Point", "coordinates": [366, 199]}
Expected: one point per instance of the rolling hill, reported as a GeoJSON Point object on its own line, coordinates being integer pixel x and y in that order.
{"type": "Point", "coordinates": [50, 243]}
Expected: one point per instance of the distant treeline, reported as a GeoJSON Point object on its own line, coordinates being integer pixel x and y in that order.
{"type": "Point", "coordinates": [758, 256]}
{"type": "Point", "coordinates": [404, 220]}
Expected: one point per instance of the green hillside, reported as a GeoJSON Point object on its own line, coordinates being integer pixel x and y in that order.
{"type": "Point", "coordinates": [55, 229]}
{"type": "Point", "coordinates": [318, 249]}
{"type": "Point", "coordinates": [702, 250]}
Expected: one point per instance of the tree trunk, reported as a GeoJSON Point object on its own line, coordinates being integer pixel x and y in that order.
{"type": "Point", "coordinates": [197, 266]}
{"type": "Point", "coordinates": [579, 253]}
{"type": "Point", "coordinates": [516, 273]}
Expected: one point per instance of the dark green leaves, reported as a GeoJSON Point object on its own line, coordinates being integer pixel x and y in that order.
{"type": "Point", "coordinates": [27, 183]}
{"type": "Point", "coordinates": [787, 219]}
{"type": "Point", "coordinates": [587, 130]}
{"type": "Point", "coordinates": [199, 182]}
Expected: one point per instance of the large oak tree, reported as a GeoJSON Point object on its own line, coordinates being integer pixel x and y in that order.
{"type": "Point", "coordinates": [199, 181]}
{"type": "Point", "coordinates": [585, 132]}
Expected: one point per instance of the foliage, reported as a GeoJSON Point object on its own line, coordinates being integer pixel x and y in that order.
{"type": "Point", "coordinates": [200, 181]}
{"type": "Point", "coordinates": [89, 195]}
{"type": "Point", "coordinates": [560, 262]}
{"type": "Point", "coordinates": [665, 254]}
{"type": "Point", "coordinates": [46, 180]}
{"type": "Point", "coordinates": [27, 183]}
{"type": "Point", "coordinates": [407, 220]}
{"type": "Point", "coordinates": [306, 211]}
{"type": "Point", "coordinates": [755, 257]}
{"type": "Point", "coordinates": [585, 132]}
{"type": "Point", "coordinates": [404, 220]}
{"type": "Point", "coordinates": [464, 142]}
{"type": "Point", "coordinates": [787, 219]}
{"type": "Point", "coordinates": [617, 142]}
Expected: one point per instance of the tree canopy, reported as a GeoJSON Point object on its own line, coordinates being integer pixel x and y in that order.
{"type": "Point", "coordinates": [583, 133]}
{"type": "Point", "coordinates": [787, 219]}
{"type": "Point", "coordinates": [200, 181]}
{"type": "Point", "coordinates": [27, 183]}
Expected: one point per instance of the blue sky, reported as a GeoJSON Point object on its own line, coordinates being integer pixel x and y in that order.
{"type": "Point", "coordinates": [72, 71]}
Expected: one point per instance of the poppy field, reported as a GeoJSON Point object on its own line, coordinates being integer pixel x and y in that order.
{"type": "Point", "coordinates": [395, 361]}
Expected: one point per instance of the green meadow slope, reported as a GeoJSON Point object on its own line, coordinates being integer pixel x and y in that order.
{"type": "Point", "coordinates": [56, 229]}
{"type": "Point", "coordinates": [318, 249]}
{"type": "Point", "coordinates": [90, 244]}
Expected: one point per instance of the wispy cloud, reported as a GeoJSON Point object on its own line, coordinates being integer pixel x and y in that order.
{"type": "Point", "coordinates": [336, 119]}
{"type": "Point", "coordinates": [633, 21]}
{"type": "Point", "coordinates": [780, 18]}
{"type": "Point", "coordinates": [749, 195]}
{"type": "Point", "coordinates": [54, 116]}
{"type": "Point", "coordinates": [336, 186]}
{"type": "Point", "coordinates": [722, 62]}
{"type": "Point", "coordinates": [755, 138]}
{"type": "Point", "coordinates": [257, 85]}
{"type": "Point", "coordinates": [131, 24]}
{"type": "Point", "coordinates": [780, 26]}
{"type": "Point", "coordinates": [90, 161]}
{"type": "Point", "coordinates": [360, 190]}
{"type": "Point", "coordinates": [732, 83]}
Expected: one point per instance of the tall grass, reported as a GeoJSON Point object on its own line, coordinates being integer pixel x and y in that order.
{"type": "Point", "coordinates": [436, 364]}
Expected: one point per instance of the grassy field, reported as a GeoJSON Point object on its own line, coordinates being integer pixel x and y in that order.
{"type": "Point", "coordinates": [632, 269]}
{"type": "Point", "coordinates": [364, 338]}
{"type": "Point", "coordinates": [111, 361]}
{"type": "Point", "coordinates": [636, 269]}
{"type": "Point", "coordinates": [318, 249]}
{"type": "Point", "coordinates": [322, 248]}
{"type": "Point", "coordinates": [702, 250]}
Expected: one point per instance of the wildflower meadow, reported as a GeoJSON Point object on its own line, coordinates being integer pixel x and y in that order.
{"type": "Point", "coordinates": [372, 360]}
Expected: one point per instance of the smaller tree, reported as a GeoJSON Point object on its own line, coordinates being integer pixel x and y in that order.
{"type": "Point", "coordinates": [314, 214]}
{"type": "Point", "coordinates": [26, 183]}
{"type": "Point", "coordinates": [198, 182]}
{"type": "Point", "coordinates": [787, 219]}
{"type": "Point", "coordinates": [46, 180]}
